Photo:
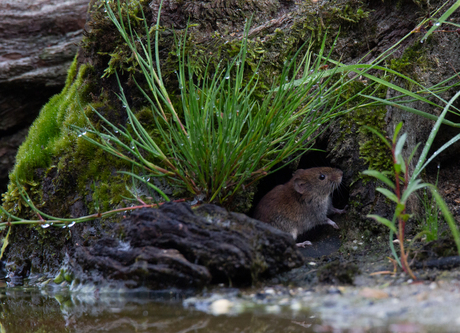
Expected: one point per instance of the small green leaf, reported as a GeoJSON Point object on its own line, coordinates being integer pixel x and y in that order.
{"type": "Point", "coordinates": [390, 195]}
{"type": "Point", "coordinates": [5, 243]}
{"type": "Point", "coordinates": [400, 145]}
{"type": "Point", "coordinates": [406, 217]}
{"type": "Point", "coordinates": [397, 129]}
{"type": "Point", "coordinates": [402, 163]}
{"type": "Point", "coordinates": [384, 221]}
{"type": "Point", "coordinates": [411, 188]}
{"type": "Point", "coordinates": [399, 209]}
{"type": "Point", "coordinates": [380, 176]}
{"type": "Point", "coordinates": [59, 278]}
{"type": "Point", "coordinates": [68, 276]}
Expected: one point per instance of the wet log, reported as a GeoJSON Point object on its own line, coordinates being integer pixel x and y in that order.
{"type": "Point", "coordinates": [177, 247]}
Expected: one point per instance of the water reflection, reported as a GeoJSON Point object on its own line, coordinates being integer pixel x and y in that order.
{"type": "Point", "coordinates": [33, 310]}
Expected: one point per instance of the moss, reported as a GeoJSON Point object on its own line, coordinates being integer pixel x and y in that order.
{"type": "Point", "coordinates": [64, 163]}
{"type": "Point", "coordinates": [413, 57]}
{"type": "Point", "coordinates": [105, 40]}
{"type": "Point", "coordinates": [331, 16]}
{"type": "Point", "coordinates": [50, 134]}
{"type": "Point", "coordinates": [371, 148]}
{"type": "Point", "coordinates": [107, 46]}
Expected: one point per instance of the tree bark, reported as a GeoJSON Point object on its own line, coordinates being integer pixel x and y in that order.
{"type": "Point", "coordinates": [39, 39]}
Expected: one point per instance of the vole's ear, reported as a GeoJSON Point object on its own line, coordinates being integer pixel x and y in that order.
{"type": "Point", "coordinates": [300, 185]}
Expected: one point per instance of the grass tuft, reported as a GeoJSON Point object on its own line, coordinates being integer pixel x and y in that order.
{"type": "Point", "coordinates": [222, 137]}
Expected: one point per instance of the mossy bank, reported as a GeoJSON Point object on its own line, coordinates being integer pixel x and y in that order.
{"type": "Point", "coordinates": [66, 176]}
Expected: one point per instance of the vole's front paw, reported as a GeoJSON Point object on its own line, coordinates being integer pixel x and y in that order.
{"type": "Point", "coordinates": [304, 244]}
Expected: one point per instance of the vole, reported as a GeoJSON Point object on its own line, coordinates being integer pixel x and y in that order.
{"type": "Point", "coordinates": [302, 203]}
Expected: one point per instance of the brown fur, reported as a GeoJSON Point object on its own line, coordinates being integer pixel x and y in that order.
{"type": "Point", "coordinates": [302, 203]}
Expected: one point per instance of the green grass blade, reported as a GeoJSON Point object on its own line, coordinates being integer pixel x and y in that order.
{"type": "Point", "coordinates": [447, 215]}
{"type": "Point", "coordinates": [384, 221]}
{"type": "Point", "coordinates": [390, 195]}
{"type": "Point", "coordinates": [159, 191]}
{"type": "Point", "coordinates": [442, 19]}
{"type": "Point", "coordinates": [411, 188]}
{"type": "Point", "coordinates": [411, 110]}
{"type": "Point", "coordinates": [380, 176]}
{"type": "Point", "coordinates": [434, 131]}
{"type": "Point", "coordinates": [392, 246]}
{"type": "Point", "coordinates": [437, 152]}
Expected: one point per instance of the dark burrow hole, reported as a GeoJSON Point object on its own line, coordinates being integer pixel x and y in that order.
{"type": "Point", "coordinates": [340, 197]}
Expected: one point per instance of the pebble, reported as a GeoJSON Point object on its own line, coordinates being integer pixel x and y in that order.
{"type": "Point", "coordinates": [220, 307]}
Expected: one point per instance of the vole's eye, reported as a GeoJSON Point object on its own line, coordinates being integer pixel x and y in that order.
{"type": "Point", "coordinates": [321, 176]}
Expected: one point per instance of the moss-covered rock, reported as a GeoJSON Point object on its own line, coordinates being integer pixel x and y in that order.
{"type": "Point", "coordinates": [66, 176]}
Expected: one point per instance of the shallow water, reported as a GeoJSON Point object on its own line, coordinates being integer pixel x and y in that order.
{"type": "Point", "coordinates": [34, 310]}
{"type": "Point", "coordinates": [264, 310]}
